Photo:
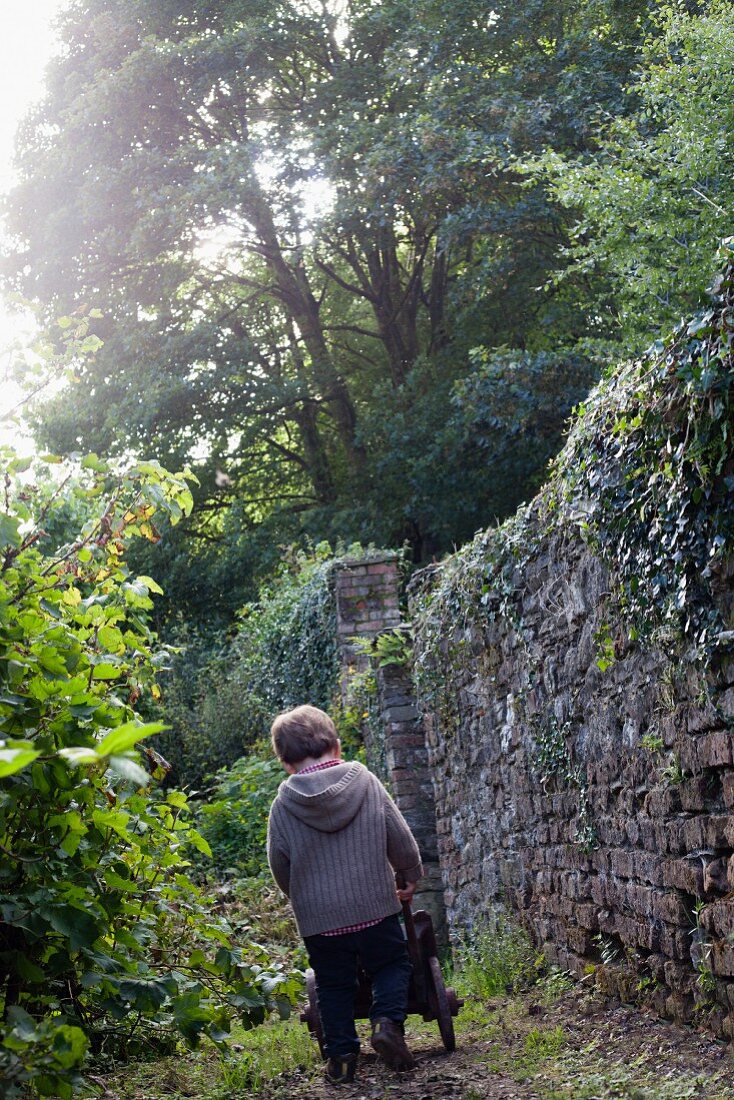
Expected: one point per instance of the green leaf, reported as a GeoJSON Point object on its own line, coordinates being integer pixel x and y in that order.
{"type": "Point", "coordinates": [76, 755]}
{"type": "Point", "coordinates": [13, 760]}
{"type": "Point", "coordinates": [78, 925]}
{"type": "Point", "coordinates": [197, 841]}
{"type": "Point", "coordinates": [117, 820]}
{"type": "Point", "coordinates": [69, 1046]}
{"type": "Point", "coordinates": [128, 769]}
{"type": "Point", "coordinates": [105, 671]}
{"type": "Point", "coordinates": [127, 735]}
{"type": "Point", "coordinates": [110, 638]}
{"type": "Point", "coordinates": [94, 462]}
{"type": "Point", "coordinates": [151, 585]}
{"type": "Point", "coordinates": [9, 530]}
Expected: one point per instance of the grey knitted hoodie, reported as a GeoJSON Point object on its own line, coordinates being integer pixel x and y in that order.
{"type": "Point", "coordinates": [335, 839]}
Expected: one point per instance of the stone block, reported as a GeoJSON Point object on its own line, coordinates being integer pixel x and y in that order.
{"type": "Point", "coordinates": [722, 958]}
{"type": "Point", "coordinates": [725, 702]}
{"type": "Point", "coordinates": [693, 794]}
{"type": "Point", "coordinates": [715, 750]}
{"type": "Point", "coordinates": [684, 874]}
{"type": "Point", "coordinates": [717, 919]}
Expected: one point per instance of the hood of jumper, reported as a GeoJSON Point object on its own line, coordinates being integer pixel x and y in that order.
{"type": "Point", "coordinates": [326, 800]}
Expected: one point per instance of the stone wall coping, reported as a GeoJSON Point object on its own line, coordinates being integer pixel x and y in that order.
{"type": "Point", "coordinates": [379, 559]}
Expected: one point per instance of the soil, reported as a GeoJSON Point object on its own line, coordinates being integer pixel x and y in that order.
{"type": "Point", "coordinates": [518, 1048]}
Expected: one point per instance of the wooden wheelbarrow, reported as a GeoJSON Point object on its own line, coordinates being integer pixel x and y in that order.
{"type": "Point", "coordinates": [427, 997]}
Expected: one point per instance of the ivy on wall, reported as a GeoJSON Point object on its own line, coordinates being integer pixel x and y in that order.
{"type": "Point", "coordinates": [646, 477]}
{"type": "Point", "coordinates": [648, 473]}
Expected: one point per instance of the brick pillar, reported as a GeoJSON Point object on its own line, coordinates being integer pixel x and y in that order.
{"type": "Point", "coordinates": [368, 602]}
{"type": "Point", "coordinates": [411, 782]}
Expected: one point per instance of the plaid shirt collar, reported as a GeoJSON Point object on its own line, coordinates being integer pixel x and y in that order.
{"type": "Point", "coordinates": [319, 767]}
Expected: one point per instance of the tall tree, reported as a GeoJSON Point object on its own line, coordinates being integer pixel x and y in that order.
{"type": "Point", "coordinates": [296, 218]}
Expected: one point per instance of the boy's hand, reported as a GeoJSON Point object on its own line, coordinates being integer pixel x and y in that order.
{"type": "Point", "coordinates": [405, 890]}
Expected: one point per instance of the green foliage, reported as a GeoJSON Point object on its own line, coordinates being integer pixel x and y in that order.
{"type": "Point", "coordinates": [496, 959]}
{"type": "Point", "coordinates": [647, 473]}
{"type": "Point", "coordinates": [298, 331]}
{"type": "Point", "coordinates": [284, 653]}
{"type": "Point", "coordinates": [604, 642]}
{"type": "Point", "coordinates": [234, 818]}
{"type": "Point", "coordinates": [391, 647]}
{"type": "Point", "coordinates": [104, 943]}
{"type": "Point", "coordinates": [654, 195]}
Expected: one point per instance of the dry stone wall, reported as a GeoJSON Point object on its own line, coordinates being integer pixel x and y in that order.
{"type": "Point", "coordinates": [586, 782]}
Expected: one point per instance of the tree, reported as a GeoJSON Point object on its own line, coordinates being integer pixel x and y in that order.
{"type": "Point", "coordinates": [653, 196]}
{"type": "Point", "coordinates": [297, 217]}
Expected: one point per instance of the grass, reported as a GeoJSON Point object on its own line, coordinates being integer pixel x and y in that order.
{"type": "Point", "coordinates": [497, 959]}
{"type": "Point", "coordinates": [253, 1059]}
{"type": "Point", "coordinates": [533, 1029]}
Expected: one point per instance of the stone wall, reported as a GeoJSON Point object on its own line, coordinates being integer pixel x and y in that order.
{"type": "Point", "coordinates": [587, 783]}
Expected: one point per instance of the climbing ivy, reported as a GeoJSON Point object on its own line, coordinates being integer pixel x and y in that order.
{"type": "Point", "coordinates": [648, 474]}
{"type": "Point", "coordinates": [647, 477]}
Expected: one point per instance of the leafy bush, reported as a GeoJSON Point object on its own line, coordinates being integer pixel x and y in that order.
{"type": "Point", "coordinates": [654, 199]}
{"type": "Point", "coordinates": [103, 937]}
{"type": "Point", "coordinates": [235, 821]}
{"type": "Point", "coordinates": [284, 653]}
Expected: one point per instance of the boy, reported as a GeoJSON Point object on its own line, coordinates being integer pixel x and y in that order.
{"type": "Point", "coordinates": [335, 842]}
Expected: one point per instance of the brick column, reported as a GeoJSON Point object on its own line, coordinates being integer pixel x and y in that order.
{"type": "Point", "coordinates": [411, 782]}
{"type": "Point", "coordinates": [368, 602]}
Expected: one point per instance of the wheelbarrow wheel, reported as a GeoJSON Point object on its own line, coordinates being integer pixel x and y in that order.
{"type": "Point", "coordinates": [440, 1004]}
{"type": "Point", "coordinates": [311, 1015]}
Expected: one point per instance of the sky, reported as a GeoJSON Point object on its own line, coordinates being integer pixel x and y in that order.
{"type": "Point", "coordinates": [26, 44]}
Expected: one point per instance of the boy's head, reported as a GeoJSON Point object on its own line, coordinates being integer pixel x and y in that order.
{"type": "Point", "coordinates": [303, 732]}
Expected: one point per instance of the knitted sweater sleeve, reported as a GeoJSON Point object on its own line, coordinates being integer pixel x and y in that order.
{"type": "Point", "coordinates": [402, 849]}
{"type": "Point", "coordinates": [277, 851]}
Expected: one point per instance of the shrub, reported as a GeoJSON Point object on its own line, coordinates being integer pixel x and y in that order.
{"type": "Point", "coordinates": [235, 821]}
{"type": "Point", "coordinates": [103, 936]}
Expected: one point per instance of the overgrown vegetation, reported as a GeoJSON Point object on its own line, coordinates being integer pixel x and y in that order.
{"type": "Point", "coordinates": [234, 817]}
{"type": "Point", "coordinates": [106, 944]}
{"type": "Point", "coordinates": [282, 652]}
{"type": "Point", "coordinates": [648, 474]}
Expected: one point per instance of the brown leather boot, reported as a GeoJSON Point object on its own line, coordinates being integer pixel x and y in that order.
{"type": "Point", "coordinates": [340, 1071]}
{"type": "Point", "coordinates": [389, 1042]}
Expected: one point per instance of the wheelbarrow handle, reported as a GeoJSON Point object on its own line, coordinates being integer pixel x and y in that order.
{"type": "Point", "coordinates": [414, 951]}
{"type": "Point", "coordinates": [401, 883]}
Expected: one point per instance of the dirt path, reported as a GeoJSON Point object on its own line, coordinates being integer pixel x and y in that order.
{"type": "Point", "coordinates": [522, 1049]}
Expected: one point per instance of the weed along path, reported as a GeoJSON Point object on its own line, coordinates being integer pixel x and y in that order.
{"type": "Point", "coordinates": [547, 1043]}
{"type": "Point", "coordinates": [553, 1041]}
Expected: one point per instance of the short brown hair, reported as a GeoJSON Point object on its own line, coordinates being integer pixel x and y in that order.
{"type": "Point", "coordinates": [301, 732]}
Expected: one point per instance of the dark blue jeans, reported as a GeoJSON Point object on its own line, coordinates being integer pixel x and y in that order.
{"type": "Point", "coordinates": [383, 954]}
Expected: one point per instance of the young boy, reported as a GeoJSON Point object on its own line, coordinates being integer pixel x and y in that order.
{"type": "Point", "coordinates": [335, 842]}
